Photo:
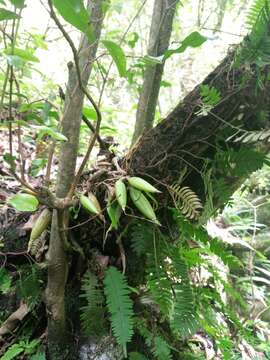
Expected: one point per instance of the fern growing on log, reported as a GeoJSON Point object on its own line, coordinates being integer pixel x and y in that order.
{"type": "Point", "coordinates": [157, 344]}
{"type": "Point", "coordinates": [120, 306]}
{"type": "Point", "coordinates": [141, 237]}
{"type": "Point", "coordinates": [234, 163]}
{"type": "Point", "coordinates": [92, 314]}
{"type": "Point", "coordinates": [253, 136]}
{"type": "Point", "coordinates": [183, 317]}
{"type": "Point", "coordinates": [256, 48]}
{"type": "Point", "coordinates": [160, 289]}
{"type": "Point", "coordinates": [186, 201]}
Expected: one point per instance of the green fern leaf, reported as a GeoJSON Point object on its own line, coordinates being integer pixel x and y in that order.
{"type": "Point", "coordinates": [250, 137]}
{"type": "Point", "coordinates": [234, 163]}
{"type": "Point", "coordinates": [13, 351]}
{"type": "Point", "coordinates": [256, 47]}
{"type": "Point", "coordinates": [186, 201]}
{"type": "Point", "coordinates": [92, 314]}
{"type": "Point", "coordinates": [30, 285]}
{"type": "Point", "coordinates": [5, 281]}
{"type": "Point", "coordinates": [160, 289]}
{"type": "Point", "coordinates": [161, 349]}
{"type": "Point", "coordinates": [184, 320]}
{"type": "Point", "coordinates": [218, 248]}
{"type": "Point", "coordinates": [119, 305]}
{"type": "Point", "coordinates": [183, 317]}
{"type": "Point", "coordinates": [157, 344]}
{"type": "Point", "coordinates": [141, 237]}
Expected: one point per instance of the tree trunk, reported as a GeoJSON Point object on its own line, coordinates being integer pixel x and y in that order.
{"type": "Point", "coordinates": [187, 139]}
{"type": "Point", "coordinates": [71, 120]}
{"type": "Point", "coordinates": [159, 40]}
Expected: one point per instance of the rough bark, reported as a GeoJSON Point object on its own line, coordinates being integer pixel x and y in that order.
{"type": "Point", "coordinates": [159, 40]}
{"type": "Point", "coordinates": [185, 138]}
{"type": "Point", "coordinates": [71, 120]}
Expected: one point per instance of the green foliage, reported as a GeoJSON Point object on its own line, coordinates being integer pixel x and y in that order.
{"type": "Point", "coordinates": [160, 288]}
{"type": "Point", "coordinates": [74, 12]}
{"type": "Point", "coordinates": [256, 48]}
{"type": "Point", "coordinates": [24, 54]}
{"type": "Point", "coordinates": [23, 202]}
{"type": "Point", "coordinates": [193, 40]}
{"type": "Point", "coordinates": [219, 249]}
{"type": "Point", "coordinates": [234, 162]}
{"type": "Point", "coordinates": [186, 201]}
{"type": "Point", "coordinates": [249, 137]}
{"type": "Point", "coordinates": [13, 351]}
{"type": "Point", "coordinates": [136, 356]}
{"type": "Point", "coordinates": [18, 3]}
{"type": "Point", "coordinates": [183, 316]}
{"type": "Point", "coordinates": [210, 97]}
{"type": "Point", "coordinates": [118, 56]}
{"type": "Point", "coordinates": [142, 235]}
{"type": "Point", "coordinates": [156, 343]}
{"type": "Point", "coordinates": [30, 285]}
{"type": "Point", "coordinates": [119, 305]}
{"type": "Point", "coordinates": [92, 314]}
{"type": "Point", "coordinates": [7, 15]}
{"type": "Point", "coordinates": [5, 281]}
{"type": "Point", "coordinates": [19, 348]}
{"type": "Point", "coordinates": [39, 356]}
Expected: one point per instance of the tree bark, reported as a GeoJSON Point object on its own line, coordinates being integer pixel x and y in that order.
{"type": "Point", "coordinates": [71, 120]}
{"type": "Point", "coordinates": [159, 40]}
{"type": "Point", "coordinates": [186, 138]}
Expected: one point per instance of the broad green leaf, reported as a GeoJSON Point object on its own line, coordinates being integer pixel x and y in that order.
{"type": "Point", "coordinates": [47, 130]}
{"type": "Point", "coordinates": [193, 40]}
{"type": "Point", "coordinates": [18, 3]}
{"type": "Point", "coordinates": [7, 15]}
{"type": "Point", "coordinates": [74, 12]}
{"type": "Point", "coordinates": [23, 202]}
{"type": "Point", "coordinates": [118, 56]}
{"type": "Point", "coordinates": [90, 113]}
{"type": "Point", "coordinates": [114, 212]}
{"type": "Point", "coordinates": [24, 54]}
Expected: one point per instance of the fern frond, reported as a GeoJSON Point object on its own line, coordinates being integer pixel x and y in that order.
{"type": "Point", "coordinates": [160, 289]}
{"type": "Point", "coordinates": [157, 344]}
{"type": "Point", "coordinates": [218, 248]}
{"type": "Point", "coordinates": [186, 201]}
{"type": "Point", "coordinates": [259, 11]}
{"type": "Point", "coordinates": [183, 317]}
{"type": "Point", "coordinates": [253, 136]}
{"type": "Point", "coordinates": [92, 314]}
{"type": "Point", "coordinates": [30, 285]}
{"type": "Point", "coordinates": [141, 237]}
{"type": "Point", "coordinates": [120, 306]}
{"type": "Point", "coordinates": [239, 163]}
{"type": "Point", "coordinates": [256, 47]}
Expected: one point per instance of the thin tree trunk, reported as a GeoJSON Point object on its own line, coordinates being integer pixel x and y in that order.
{"type": "Point", "coordinates": [71, 120]}
{"type": "Point", "coordinates": [222, 4]}
{"type": "Point", "coordinates": [159, 40]}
